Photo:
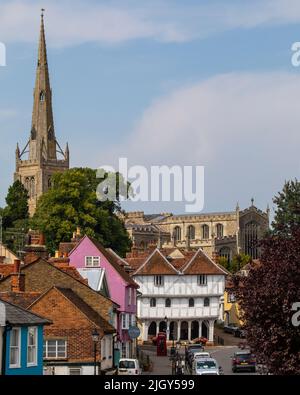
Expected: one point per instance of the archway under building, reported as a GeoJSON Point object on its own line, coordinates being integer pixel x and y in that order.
{"type": "Point", "coordinates": [194, 330]}
{"type": "Point", "coordinates": [184, 330]}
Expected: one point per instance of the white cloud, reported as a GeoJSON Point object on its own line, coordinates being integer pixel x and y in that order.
{"type": "Point", "coordinates": [79, 21]}
{"type": "Point", "coordinates": [243, 127]}
{"type": "Point", "coordinates": [200, 122]}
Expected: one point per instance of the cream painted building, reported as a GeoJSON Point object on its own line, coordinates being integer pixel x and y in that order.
{"type": "Point", "coordinates": [226, 233]}
{"type": "Point", "coordinates": [180, 293]}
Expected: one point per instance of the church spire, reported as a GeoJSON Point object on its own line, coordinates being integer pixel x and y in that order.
{"type": "Point", "coordinates": [42, 132]}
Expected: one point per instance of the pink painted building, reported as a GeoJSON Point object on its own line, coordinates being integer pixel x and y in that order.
{"type": "Point", "coordinates": [92, 260]}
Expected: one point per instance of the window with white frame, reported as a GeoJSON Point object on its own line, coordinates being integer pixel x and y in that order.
{"type": "Point", "coordinates": [131, 320]}
{"type": "Point", "coordinates": [32, 346]}
{"type": "Point", "coordinates": [159, 280]}
{"type": "Point", "coordinates": [125, 321]}
{"type": "Point", "coordinates": [129, 296]}
{"type": "Point", "coordinates": [55, 349]}
{"type": "Point", "coordinates": [15, 348]}
{"type": "Point", "coordinates": [124, 350]}
{"type": "Point", "coordinates": [75, 372]}
{"type": "Point", "coordinates": [92, 261]}
{"type": "Point", "coordinates": [202, 279]}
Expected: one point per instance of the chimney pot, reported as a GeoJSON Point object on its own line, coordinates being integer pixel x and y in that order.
{"type": "Point", "coordinates": [17, 265]}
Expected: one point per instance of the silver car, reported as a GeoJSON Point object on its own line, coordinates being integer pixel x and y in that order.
{"type": "Point", "coordinates": [207, 367]}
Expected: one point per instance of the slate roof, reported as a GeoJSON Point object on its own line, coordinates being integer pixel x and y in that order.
{"type": "Point", "coordinates": [16, 315]}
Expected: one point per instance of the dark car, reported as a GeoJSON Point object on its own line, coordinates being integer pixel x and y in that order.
{"type": "Point", "coordinates": [231, 328]}
{"type": "Point", "coordinates": [243, 360]}
{"type": "Point", "coordinates": [189, 351]}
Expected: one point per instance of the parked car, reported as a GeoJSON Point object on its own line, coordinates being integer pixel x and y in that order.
{"type": "Point", "coordinates": [231, 328]}
{"type": "Point", "coordinates": [190, 350]}
{"type": "Point", "coordinates": [207, 367]}
{"type": "Point", "coordinates": [240, 333]}
{"type": "Point", "coordinates": [196, 354]}
{"type": "Point", "coordinates": [201, 355]}
{"type": "Point", "coordinates": [129, 367]}
{"type": "Point", "coordinates": [243, 360]}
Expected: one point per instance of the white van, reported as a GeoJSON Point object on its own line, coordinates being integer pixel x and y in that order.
{"type": "Point", "coordinates": [129, 367]}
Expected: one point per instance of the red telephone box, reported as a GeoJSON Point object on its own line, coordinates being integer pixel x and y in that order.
{"type": "Point", "coordinates": [161, 344]}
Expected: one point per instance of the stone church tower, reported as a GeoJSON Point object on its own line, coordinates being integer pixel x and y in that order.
{"type": "Point", "coordinates": [38, 161]}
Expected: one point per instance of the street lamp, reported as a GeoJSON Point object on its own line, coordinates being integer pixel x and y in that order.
{"type": "Point", "coordinates": [95, 337]}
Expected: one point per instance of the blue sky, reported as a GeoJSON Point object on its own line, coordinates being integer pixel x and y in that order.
{"type": "Point", "coordinates": [162, 82]}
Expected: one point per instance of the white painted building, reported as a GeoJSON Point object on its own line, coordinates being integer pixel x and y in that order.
{"type": "Point", "coordinates": [181, 292]}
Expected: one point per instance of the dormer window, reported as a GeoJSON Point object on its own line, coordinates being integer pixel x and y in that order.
{"type": "Point", "coordinates": [33, 134]}
{"type": "Point", "coordinates": [42, 96]}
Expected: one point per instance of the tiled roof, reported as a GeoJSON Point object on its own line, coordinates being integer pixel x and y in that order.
{"type": "Point", "coordinates": [201, 263]}
{"type": "Point", "coordinates": [113, 260]}
{"type": "Point", "coordinates": [6, 269]}
{"type": "Point", "coordinates": [156, 263]}
{"type": "Point", "coordinates": [22, 299]}
{"type": "Point", "coordinates": [190, 262]}
{"type": "Point", "coordinates": [87, 310]}
{"type": "Point", "coordinates": [72, 271]}
{"type": "Point", "coordinates": [16, 315]}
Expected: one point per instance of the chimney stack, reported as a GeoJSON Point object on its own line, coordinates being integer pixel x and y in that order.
{"type": "Point", "coordinates": [17, 265]}
{"type": "Point", "coordinates": [17, 278]}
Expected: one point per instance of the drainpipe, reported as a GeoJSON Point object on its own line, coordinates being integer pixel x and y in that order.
{"type": "Point", "coordinates": [7, 328]}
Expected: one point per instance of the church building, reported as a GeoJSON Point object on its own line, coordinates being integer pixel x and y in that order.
{"type": "Point", "coordinates": [42, 155]}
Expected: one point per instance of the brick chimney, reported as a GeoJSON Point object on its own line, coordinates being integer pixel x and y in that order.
{"type": "Point", "coordinates": [17, 278]}
{"type": "Point", "coordinates": [60, 259]}
{"type": "Point", "coordinates": [35, 244]}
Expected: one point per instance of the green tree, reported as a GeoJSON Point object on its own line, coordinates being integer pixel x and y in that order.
{"type": "Point", "coordinates": [238, 262]}
{"type": "Point", "coordinates": [267, 295]}
{"type": "Point", "coordinates": [223, 261]}
{"type": "Point", "coordinates": [73, 201]}
{"type": "Point", "coordinates": [287, 214]}
{"type": "Point", "coordinates": [17, 205]}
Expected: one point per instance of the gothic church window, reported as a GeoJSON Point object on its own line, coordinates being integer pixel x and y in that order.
{"type": "Point", "coordinates": [33, 134]}
{"type": "Point", "coordinates": [50, 134]}
{"type": "Point", "coordinates": [30, 186]}
{"type": "Point", "coordinates": [251, 239]}
{"type": "Point", "coordinates": [177, 233]}
{"type": "Point", "coordinates": [191, 232]}
{"type": "Point", "coordinates": [225, 252]}
{"type": "Point", "coordinates": [220, 231]}
{"type": "Point", "coordinates": [42, 96]}
{"type": "Point", "coordinates": [205, 232]}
